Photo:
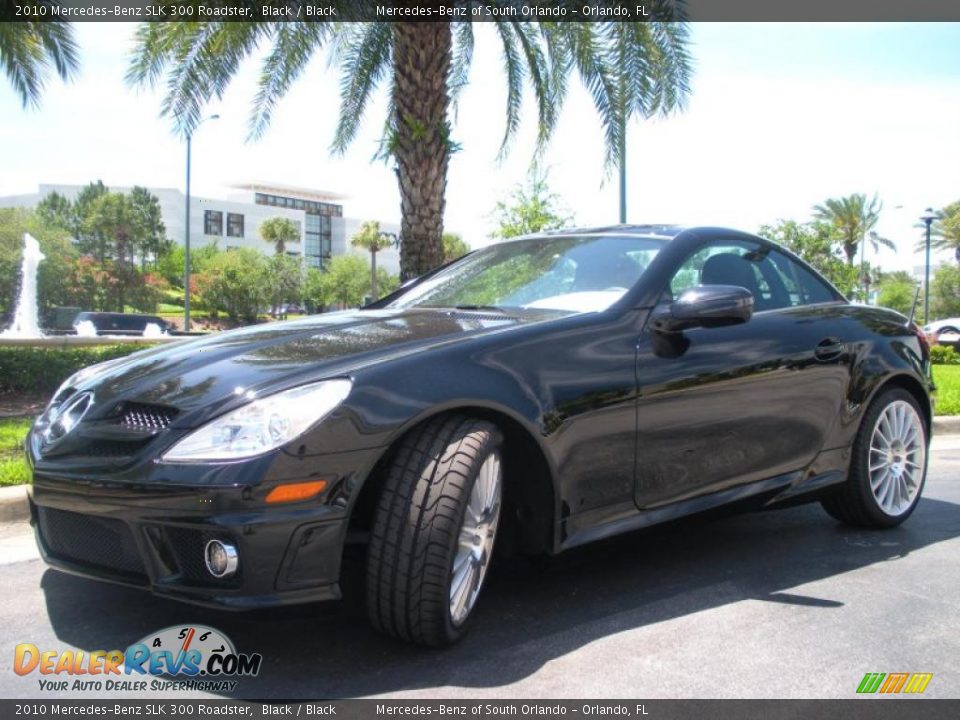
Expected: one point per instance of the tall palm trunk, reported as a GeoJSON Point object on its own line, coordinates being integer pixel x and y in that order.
{"type": "Point", "coordinates": [851, 250]}
{"type": "Point", "coordinates": [421, 61]}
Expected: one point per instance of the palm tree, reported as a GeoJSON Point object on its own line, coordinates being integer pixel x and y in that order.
{"type": "Point", "coordinates": [370, 238]}
{"type": "Point", "coordinates": [627, 68]}
{"type": "Point", "coordinates": [279, 231]}
{"type": "Point", "coordinates": [29, 49]}
{"type": "Point", "coordinates": [945, 231]}
{"type": "Point", "coordinates": [853, 218]}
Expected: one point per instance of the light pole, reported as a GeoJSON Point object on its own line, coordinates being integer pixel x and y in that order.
{"type": "Point", "coordinates": [928, 217]}
{"type": "Point", "coordinates": [186, 234]}
{"type": "Point", "coordinates": [863, 270]}
{"type": "Point", "coordinates": [865, 277]}
{"type": "Point", "coordinates": [623, 176]}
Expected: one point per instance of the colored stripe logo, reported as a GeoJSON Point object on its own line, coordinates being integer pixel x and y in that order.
{"type": "Point", "coordinates": [892, 683]}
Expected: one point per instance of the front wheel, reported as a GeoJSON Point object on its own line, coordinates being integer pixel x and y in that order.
{"type": "Point", "coordinates": [889, 465]}
{"type": "Point", "coordinates": [434, 529]}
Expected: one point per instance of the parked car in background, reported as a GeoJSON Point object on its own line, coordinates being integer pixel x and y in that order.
{"type": "Point", "coordinates": [113, 323]}
{"type": "Point", "coordinates": [947, 326]}
{"type": "Point", "coordinates": [537, 394]}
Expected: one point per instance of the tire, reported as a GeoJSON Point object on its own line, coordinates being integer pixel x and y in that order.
{"type": "Point", "coordinates": [440, 505]}
{"type": "Point", "coordinates": [885, 493]}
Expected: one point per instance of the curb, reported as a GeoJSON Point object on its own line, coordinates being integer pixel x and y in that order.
{"type": "Point", "coordinates": [13, 503]}
{"type": "Point", "coordinates": [946, 425]}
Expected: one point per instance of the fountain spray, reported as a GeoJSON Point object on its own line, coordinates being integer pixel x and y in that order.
{"type": "Point", "coordinates": [25, 322]}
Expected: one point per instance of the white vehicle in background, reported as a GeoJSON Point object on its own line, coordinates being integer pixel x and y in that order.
{"type": "Point", "coordinates": [946, 330]}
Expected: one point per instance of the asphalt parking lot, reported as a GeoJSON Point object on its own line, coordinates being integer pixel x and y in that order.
{"type": "Point", "coordinates": [777, 604]}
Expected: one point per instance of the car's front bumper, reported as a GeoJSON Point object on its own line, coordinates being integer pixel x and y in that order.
{"type": "Point", "coordinates": [154, 537]}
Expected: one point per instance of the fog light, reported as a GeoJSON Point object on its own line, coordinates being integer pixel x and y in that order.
{"type": "Point", "coordinates": [220, 558]}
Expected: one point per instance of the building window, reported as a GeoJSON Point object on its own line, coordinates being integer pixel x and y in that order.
{"type": "Point", "coordinates": [213, 222]}
{"type": "Point", "coordinates": [318, 230]}
{"type": "Point", "coordinates": [234, 225]}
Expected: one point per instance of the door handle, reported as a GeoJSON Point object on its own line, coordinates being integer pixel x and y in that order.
{"type": "Point", "coordinates": [828, 349]}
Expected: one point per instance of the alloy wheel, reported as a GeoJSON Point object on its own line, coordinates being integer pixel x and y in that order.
{"type": "Point", "coordinates": [475, 540]}
{"type": "Point", "coordinates": [897, 457]}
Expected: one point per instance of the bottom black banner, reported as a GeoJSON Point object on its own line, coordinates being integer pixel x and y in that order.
{"type": "Point", "coordinates": [873, 708]}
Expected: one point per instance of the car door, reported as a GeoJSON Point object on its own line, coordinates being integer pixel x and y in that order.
{"type": "Point", "coordinates": [723, 407]}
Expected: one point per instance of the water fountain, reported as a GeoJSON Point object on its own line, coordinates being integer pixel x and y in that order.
{"type": "Point", "coordinates": [25, 329]}
{"type": "Point", "coordinates": [25, 323]}
{"type": "Point", "coordinates": [85, 328]}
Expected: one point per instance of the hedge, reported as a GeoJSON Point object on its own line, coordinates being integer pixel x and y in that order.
{"type": "Point", "coordinates": [41, 370]}
{"type": "Point", "coordinates": [944, 355]}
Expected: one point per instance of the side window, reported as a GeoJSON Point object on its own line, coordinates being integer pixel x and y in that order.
{"type": "Point", "coordinates": [718, 264]}
{"type": "Point", "coordinates": [775, 280]}
{"type": "Point", "coordinates": [814, 289]}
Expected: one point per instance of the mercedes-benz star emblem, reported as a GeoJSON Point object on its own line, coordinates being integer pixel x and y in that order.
{"type": "Point", "coordinates": [67, 418]}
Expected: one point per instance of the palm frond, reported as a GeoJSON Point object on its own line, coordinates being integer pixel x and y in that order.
{"type": "Point", "coordinates": [877, 240]}
{"type": "Point", "coordinates": [293, 47]}
{"type": "Point", "coordinates": [199, 59]}
{"type": "Point", "coordinates": [28, 50]}
{"type": "Point", "coordinates": [513, 64]}
{"type": "Point", "coordinates": [538, 71]}
{"type": "Point", "coordinates": [461, 60]}
{"type": "Point", "coordinates": [670, 39]}
{"type": "Point", "coordinates": [591, 56]}
{"type": "Point", "coordinates": [363, 53]}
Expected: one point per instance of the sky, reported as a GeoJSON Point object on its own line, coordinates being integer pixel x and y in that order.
{"type": "Point", "coordinates": [780, 117]}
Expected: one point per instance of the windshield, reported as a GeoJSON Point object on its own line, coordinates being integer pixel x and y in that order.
{"type": "Point", "coordinates": [585, 273]}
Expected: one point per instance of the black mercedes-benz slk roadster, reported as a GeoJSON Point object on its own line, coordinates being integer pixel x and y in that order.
{"type": "Point", "coordinates": [534, 395]}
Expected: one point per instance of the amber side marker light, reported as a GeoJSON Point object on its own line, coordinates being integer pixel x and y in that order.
{"type": "Point", "coordinates": [296, 491]}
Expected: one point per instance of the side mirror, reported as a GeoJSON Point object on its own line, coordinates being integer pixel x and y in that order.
{"type": "Point", "coordinates": [706, 306]}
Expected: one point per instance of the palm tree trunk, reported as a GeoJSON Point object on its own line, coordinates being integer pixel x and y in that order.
{"type": "Point", "coordinates": [373, 275]}
{"type": "Point", "coordinates": [421, 61]}
{"type": "Point", "coordinates": [851, 251]}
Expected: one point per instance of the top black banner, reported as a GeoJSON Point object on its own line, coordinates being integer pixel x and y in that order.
{"type": "Point", "coordinates": [479, 10]}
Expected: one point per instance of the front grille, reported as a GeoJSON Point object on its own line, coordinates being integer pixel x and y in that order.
{"type": "Point", "coordinates": [104, 543]}
{"type": "Point", "coordinates": [110, 448]}
{"type": "Point", "coordinates": [139, 416]}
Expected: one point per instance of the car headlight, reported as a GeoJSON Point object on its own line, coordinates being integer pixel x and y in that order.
{"type": "Point", "coordinates": [262, 425]}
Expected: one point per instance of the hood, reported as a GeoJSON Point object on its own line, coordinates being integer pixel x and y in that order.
{"type": "Point", "coordinates": [207, 372]}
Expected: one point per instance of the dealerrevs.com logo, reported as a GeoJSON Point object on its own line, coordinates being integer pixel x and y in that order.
{"type": "Point", "coordinates": [180, 657]}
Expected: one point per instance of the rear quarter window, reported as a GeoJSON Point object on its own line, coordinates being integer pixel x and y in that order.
{"type": "Point", "coordinates": [813, 288]}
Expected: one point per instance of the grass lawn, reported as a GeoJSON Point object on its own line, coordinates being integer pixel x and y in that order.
{"type": "Point", "coordinates": [947, 378]}
{"type": "Point", "coordinates": [13, 466]}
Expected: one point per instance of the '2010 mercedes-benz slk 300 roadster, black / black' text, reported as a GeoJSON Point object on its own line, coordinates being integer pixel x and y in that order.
{"type": "Point", "coordinates": [530, 397]}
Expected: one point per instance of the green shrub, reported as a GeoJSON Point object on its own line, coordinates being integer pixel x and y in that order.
{"type": "Point", "coordinates": [944, 355]}
{"type": "Point", "coordinates": [41, 370]}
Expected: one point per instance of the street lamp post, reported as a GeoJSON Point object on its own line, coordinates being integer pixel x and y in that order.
{"type": "Point", "coordinates": [623, 176]}
{"type": "Point", "coordinates": [186, 233]}
{"type": "Point", "coordinates": [928, 217]}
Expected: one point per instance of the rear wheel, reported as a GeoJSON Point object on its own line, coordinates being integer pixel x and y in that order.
{"type": "Point", "coordinates": [889, 465]}
{"type": "Point", "coordinates": [434, 530]}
